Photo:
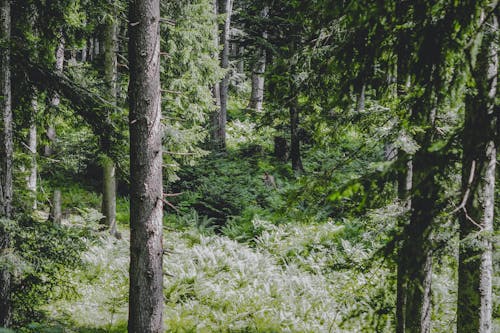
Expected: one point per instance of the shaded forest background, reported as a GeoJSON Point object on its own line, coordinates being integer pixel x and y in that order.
{"type": "Point", "coordinates": [263, 166]}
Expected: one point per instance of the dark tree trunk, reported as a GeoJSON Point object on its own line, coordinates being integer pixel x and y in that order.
{"type": "Point", "coordinates": [280, 148]}
{"type": "Point", "coordinates": [475, 271]}
{"type": "Point", "coordinates": [146, 190]}
{"type": "Point", "coordinates": [416, 249]}
{"type": "Point", "coordinates": [405, 176]}
{"type": "Point", "coordinates": [215, 118]}
{"type": "Point", "coordinates": [6, 152]}
{"type": "Point", "coordinates": [110, 75]}
{"type": "Point", "coordinates": [294, 137]}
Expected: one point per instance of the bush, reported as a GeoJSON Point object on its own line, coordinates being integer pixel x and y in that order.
{"type": "Point", "coordinates": [43, 254]}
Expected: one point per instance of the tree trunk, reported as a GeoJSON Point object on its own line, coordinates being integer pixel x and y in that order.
{"type": "Point", "coordinates": [224, 84]}
{"type": "Point", "coordinates": [32, 146]}
{"type": "Point", "coordinates": [55, 100]}
{"type": "Point", "coordinates": [475, 304]}
{"type": "Point", "coordinates": [416, 274]}
{"type": "Point", "coordinates": [6, 153]}
{"type": "Point", "coordinates": [55, 210]}
{"type": "Point", "coordinates": [109, 195]}
{"type": "Point", "coordinates": [146, 189]}
{"type": "Point", "coordinates": [294, 137]}
{"type": "Point", "coordinates": [405, 176]}
{"type": "Point", "coordinates": [360, 105]}
{"type": "Point", "coordinates": [110, 76]}
{"type": "Point", "coordinates": [257, 94]}
{"type": "Point", "coordinates": [215, 115]}
{"type": "Point", "coordinates": [280, 148]}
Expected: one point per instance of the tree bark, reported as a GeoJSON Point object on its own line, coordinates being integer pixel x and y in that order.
{"type": "Point", "coordinates": [32, 145]}
{"type": "Point", "coordinates": [224, 84]}
{"type": "Point", "coordinates": [257, 94]}
{"type": "Point", "coordinates": [280, 148]}
{"type": "Point", "coordinates": [110, 75]}
{"type": "Point", "coordinates": [215, 115]}
{"type": "Point", "coordinates": [405, 176]}
{"type": "Point", "coordinates": [55, 100]}
{"type": "Point", "coordinates": [294, 137]}
{"type": "Point", "coordinates": [6, 155]}
{"type": "Point", "coordinates": [146, 189]}
{"type": "Point", "coordinates": [55, 210]}
{"type": "Point", "coordinates": [475, 304]}
{"type": "Point", "coordinates": [417, 245]}
{"type": "Point", "coordinates": [360, 105]}
{"type": "Point", "coordinates": [109, 195]}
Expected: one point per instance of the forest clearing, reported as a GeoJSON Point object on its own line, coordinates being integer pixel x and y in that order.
{"type": "Point", "coordinates": [249, 166]}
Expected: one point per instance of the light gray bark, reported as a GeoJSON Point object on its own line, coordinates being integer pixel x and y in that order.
{"type": "Point", "coordinates": [6, 153]}
{"type": "Point", "coordinates": [360, 105]}
{"type": "Point", "coordinates": [475, 272]}
{"type": "Point", "coordinates": [55, 210]}
{"type": "Point", "coordinates": [110, 75]}
{"type": "Point", "coordinates": [146, 189]}
{"type": "Point", "coordinates": [257, 93]}
{"type": "Point", "coordinates": [55, 100]}
{"type": "Point", "coordinates": [224, 84]}
{"type": "Point", "coordinates": [295, 155]}
{"type": "Point", "coordinates": [32, 146]}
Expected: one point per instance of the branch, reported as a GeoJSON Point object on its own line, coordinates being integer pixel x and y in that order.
{"type": "Point", "coordinates": [93, 108]}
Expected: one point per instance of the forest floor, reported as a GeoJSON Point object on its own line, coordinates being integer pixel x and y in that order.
{"type": "Point", "coordinates": [289, 278]}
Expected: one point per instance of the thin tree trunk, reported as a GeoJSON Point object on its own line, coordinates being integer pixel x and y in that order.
{"type": "Point", "coordinates": [224, 84]}
{"type": "Point", "coordinates": [84, 52]}
{"type": "Point", "coordinates": [6, 153]}
{"type": "Point", "coordinates": [241, 60]}
{"type": "Point", "coordinates": [96, 51]}
{"type": "Point", "coordinates": [55, 100]}
{"type": "Point", "coordinates": [294, 137]}
{"type": "Point", "coordinates": [32, 145]}
{"type": "Point", "coordinates": [215, 115]}
{"type": "Point", "coordinates": [360, 105]}
{"type": "Point", "coordinates": [110, 74]}
{"type": "Point", "coordinates": [55, 210]}
{"type": "Point", "coordinates": [146, 189]}
{"type": "Point", "coordinates": [109, 194]}
{"type": "Point", "coordinates": [257, 94]}
{"type": "Point", "coordinates": [475, 304]}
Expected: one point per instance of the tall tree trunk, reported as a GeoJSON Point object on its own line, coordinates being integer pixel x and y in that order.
{"type": "Point", "coordinates": [55, 100]}
{"type": "Point", "coordinates": [6, 152]}
{"type": "Point", "coordinates": [417, 245]}
{"type": "Point", "coordinates": [224, 84]}
{"type": "Point", "coordinates": [214, 116]}
{"type": "Point", "coordinates": [257, 94]}
{"type": "Point", "coordinates": [405, 175]}
{"type": "Point", "coordinates": [294, 137]}
{"type": "Point", "coordinates": [110, 75]}
{"type": "Point", "coordinates": [475, 304]}
{"type": "Point", "coordinates": [146, 189]}
{"type": "Point", "coordinates": [32, 145]}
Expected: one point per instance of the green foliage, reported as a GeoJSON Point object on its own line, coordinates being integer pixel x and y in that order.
{"type": "Point", "coordinates": [42, 254]}
{"type": "Point", "coordinates": [221, 187]}
{"type": "Point", "coordinates": [188, 73]}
